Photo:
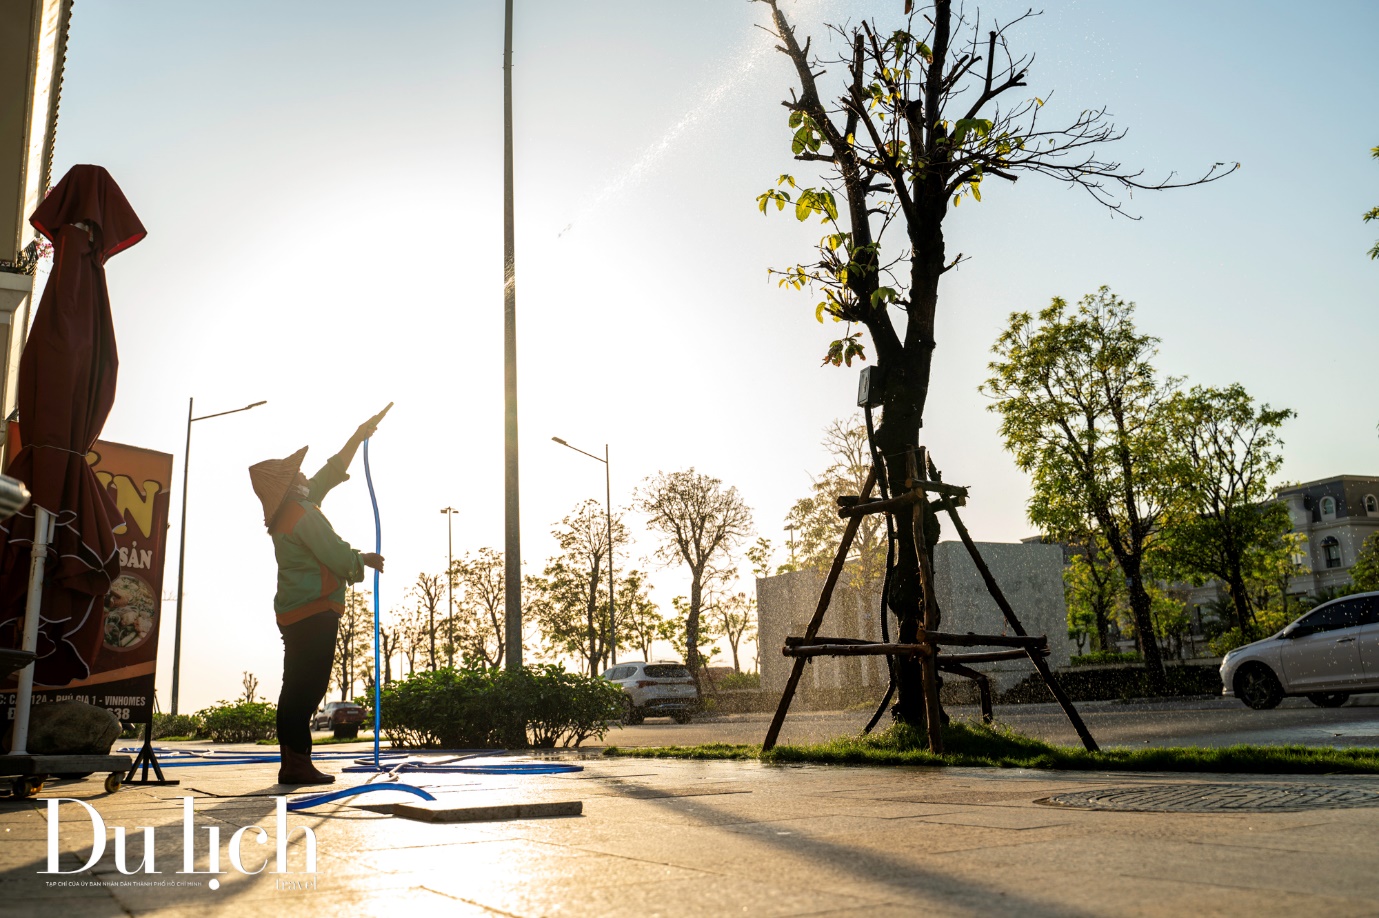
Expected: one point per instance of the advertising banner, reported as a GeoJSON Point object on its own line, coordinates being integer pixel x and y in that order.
{"type": "Point", "coordinates": [125, 663]}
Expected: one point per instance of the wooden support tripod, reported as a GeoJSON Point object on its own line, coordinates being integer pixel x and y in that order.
{"type": "Point", "coordinates": [914, 498]}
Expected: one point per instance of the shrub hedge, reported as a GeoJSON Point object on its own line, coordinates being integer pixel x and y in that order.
{"type": "Point", "coordinates": [739, 681]}
{"type": "Point", "coordinates": [476, 708]}
{"type": "Point", "coordinates": [240, 722]}
{"type": "Point", "coordinates": [1116, 683]}
{"type": "Point", "coordinates": [165, 725]}
{"type": "Point", "coordinates": [1105, 658]}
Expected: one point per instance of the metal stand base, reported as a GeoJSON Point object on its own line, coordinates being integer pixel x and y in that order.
{"type": "Point", "coordinates": [147, 759]}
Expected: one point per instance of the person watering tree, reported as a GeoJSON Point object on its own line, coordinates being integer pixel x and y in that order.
{"type": "Point", "coordinates": [315, 566]}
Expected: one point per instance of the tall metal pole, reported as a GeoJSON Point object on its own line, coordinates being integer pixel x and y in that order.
{"type": "Point", "coordinates": [182, 541]}
{"type": "Point", "coordinates": [181, 563]}
{"type": "Point", "coordinates": [512, 598]}
{"type": "Point", "coordinates": [608, 508]}
{"type": "Point", "coordinates": [450, 579]}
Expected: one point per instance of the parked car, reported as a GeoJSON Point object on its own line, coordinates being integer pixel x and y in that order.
{"type": "Point", "coordinates": [1327, 655]}
{"type": "Point", "coordinates": [343, 717]}
{"type": "Point", "coordinates": [659, 689]}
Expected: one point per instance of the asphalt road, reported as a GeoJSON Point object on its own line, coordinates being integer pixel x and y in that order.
{"type": "Point", "coordinates": [1187, 722]}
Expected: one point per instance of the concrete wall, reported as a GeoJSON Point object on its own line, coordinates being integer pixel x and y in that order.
{"type": "Point", "coordinates": [1030, 575]}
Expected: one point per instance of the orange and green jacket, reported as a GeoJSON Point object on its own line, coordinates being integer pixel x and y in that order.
{"type": "Point", "coordinates": [314, 564]}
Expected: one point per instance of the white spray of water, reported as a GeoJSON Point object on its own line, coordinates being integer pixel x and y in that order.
{"type": "Point", "coordinates": [746, 62]}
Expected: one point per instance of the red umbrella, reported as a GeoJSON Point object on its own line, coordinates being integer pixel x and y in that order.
{"type": "Point", "coordinates": [66, 388]}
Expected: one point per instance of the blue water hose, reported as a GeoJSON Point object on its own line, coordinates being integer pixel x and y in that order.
{"type": "Point", "coordinates": [511, 768]}
{"type": "Point", "coordinates": [180, 757]}
{"type": "Point", "coordinates": [378, 548]}
{"type": "Point", "coordinates": [330, 796]}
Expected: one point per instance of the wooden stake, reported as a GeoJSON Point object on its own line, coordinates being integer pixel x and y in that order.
{"type": "Point", "coordinates": [933, 715]}
{"type": "Point", "coordinates": [849, 533]}
{"type": "Point", "coordinates": [1039, 663]}
{"type": "Point", "coordinates": [983, 685]}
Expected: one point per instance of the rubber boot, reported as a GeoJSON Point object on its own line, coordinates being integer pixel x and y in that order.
{"type": "Point", "coordinates": [296, 768]}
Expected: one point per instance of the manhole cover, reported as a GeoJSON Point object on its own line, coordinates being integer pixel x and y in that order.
{"type": "Point", "coordinates": [1216, 798]}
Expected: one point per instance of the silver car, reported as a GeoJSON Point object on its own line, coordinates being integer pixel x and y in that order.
{"type": "Point", "coordinates": [1327, 655]}
{"type": "Point", "coordinates": [660, 689]}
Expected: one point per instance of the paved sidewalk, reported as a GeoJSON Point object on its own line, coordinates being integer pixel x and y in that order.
{"type": "Point", "coordinates": [1168, 722]}
{"type": "Point", "coordinates": [712, 838]}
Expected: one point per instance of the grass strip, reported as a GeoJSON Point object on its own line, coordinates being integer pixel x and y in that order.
{"type": "Point", "coordinates": [976, 745]}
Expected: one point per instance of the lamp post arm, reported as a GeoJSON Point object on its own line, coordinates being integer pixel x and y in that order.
{"type": "Point", "coordinates": [578, 450]}
{"type": "Point", "coordinates": [222, 413]}
{"type": "Point", "coordinates": [608, 507]}
{"type": "Point", "coordinates": [182, 541]}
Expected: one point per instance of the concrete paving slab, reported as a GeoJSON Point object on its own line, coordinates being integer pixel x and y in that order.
{"type": "Point", "coordinates": [993, 818]}
{"type": "Point", "coordinates": [663, 837]}
{"type": "Point", "coordinates": [369, 904]}
{"type": "Point", "coordinates": [450, 810]}
{"type": "Point", "coordinates": [102, 907]}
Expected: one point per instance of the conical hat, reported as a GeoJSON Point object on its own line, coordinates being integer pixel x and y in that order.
{"type": "Point", "coordinates": [272, 479]}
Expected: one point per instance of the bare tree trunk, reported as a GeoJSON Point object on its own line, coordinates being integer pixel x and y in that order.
{"type": "Point", "coordinates": [692, 621]}
{"type": "Point", "coordinates": [906, 390]}
{"type": "Point", "coordinates": [1103, 626]}
{"type": "Point", "coordinates": [590, 611]}
{"type": "Point", "coordinates": [1140, 607]}
{"type": "Point", "coordinates": [1241, 600]}
{"type": "Point", "coordinates": [389, 648]}
{"type": "Point", "coordinates": [431, 631]}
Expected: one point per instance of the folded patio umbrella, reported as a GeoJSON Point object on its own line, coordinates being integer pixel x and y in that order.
{"type": "Point", "coordinates": [66, 389]}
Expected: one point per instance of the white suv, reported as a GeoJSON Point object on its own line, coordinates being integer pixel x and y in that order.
{"type": "Point", "coordinates": [659, 689]}
{"type": "Point", "coordinates": [1329, 654]}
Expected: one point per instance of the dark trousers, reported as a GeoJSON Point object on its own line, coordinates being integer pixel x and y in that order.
{"type": "Point", "coordinates": [308, 655]}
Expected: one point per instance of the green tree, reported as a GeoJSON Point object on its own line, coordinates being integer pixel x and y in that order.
{"type": "Point", "coordinates": [1168, 608]}
{"type": "Point", "coordinates": [639, 619]}
{"type": "Point", "coordinates": [676, 632]}
{"type": "Point", "coordinates": [906, 122]}
{"type": "Point", "coordinates": [1083, 412]}
{"type": "Point", "coordinates": [353, 641]}
{"type": "Point", "coordinates": [734, 618]}
{"type": "Point", "coordinates": [1364, 573]}
{"type": "Point", "coordinates": [1093, 587]}
{"type": "Point", "coordinates": [558, 601]}
{"type": "Point", "coordinates": [411, 633]}
{"type": "Point", "coordinates": [428, 598]}
{"type": "Point", "coordinates": [759, 554]}
{"type": "Point", "coordinates": [819, 528]}
{"type": "Point", "coordinates": [1373, 212]}
{"type": "Point", "coordinates": [1270, 584]}
{"type": "Point", "coordinates": [480, 630]}
{"type": "Point", "coordinates": [700, 522]}
{"type": "Point", "coordinates": [571, 608]}
{"type": "Point", "coordinates": [1227, 522]}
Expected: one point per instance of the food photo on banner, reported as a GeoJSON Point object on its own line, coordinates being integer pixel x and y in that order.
{"type": "Point", "coordinates": [122, 665]}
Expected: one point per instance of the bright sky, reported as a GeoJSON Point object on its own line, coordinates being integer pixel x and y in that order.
{"type": "Point", "coordinates": [322, 186]}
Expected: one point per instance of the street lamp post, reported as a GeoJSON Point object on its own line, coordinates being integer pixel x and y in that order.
{"type": "Point", "coordinates": [512, 526]}
{"type": "Point", "coordinates": [182, 541]}
{"type": "Point", "coordinates": [608, 510]}
{"type": "Point", "coordinates": [450, 578]}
